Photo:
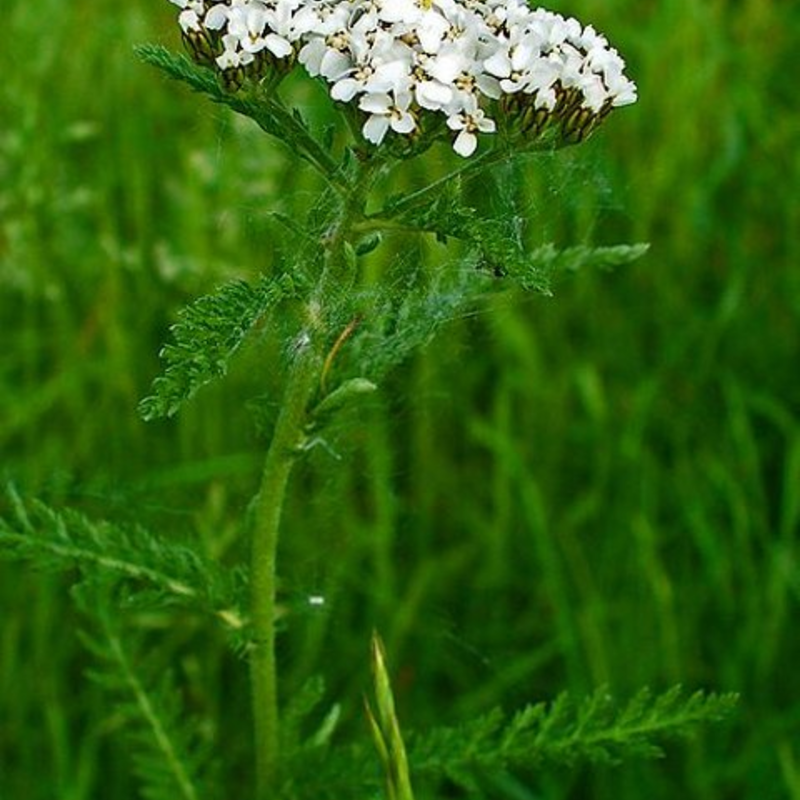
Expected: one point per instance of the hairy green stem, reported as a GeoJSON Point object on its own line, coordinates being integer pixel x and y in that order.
{"type": "Point", "coordinates": [284, 448]}
{"type": "Point", "coordinates": [287, 443]}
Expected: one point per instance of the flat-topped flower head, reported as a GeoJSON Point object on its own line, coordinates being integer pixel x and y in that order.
{"type": "Point", "coordinates": [481, 67]}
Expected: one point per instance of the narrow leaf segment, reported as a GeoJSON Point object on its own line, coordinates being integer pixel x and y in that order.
{"type": "Point", "coordinates": [206, 335]}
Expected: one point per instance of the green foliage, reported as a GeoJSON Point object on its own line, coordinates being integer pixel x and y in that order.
{"type": "Point", "coordinates": [294, 736]}
{"type": "Point", "coordinates": [497, 242]}
{"type": "Point", "coordinates": [528, 268]}
{"type": "Point", "coordinates": [179, 67]}
{"type": "Point", "coordinates": [499, 245]}
{"type": "Point", "coordinates": [207, 334]}
{"type": "Point", "coordinates": [477, 753]}
{"type": "Point", "coordinates": [171, 757]}
{"type": "Point", "coordinates": [564, 732]}
{"type": "Point", "coordinates": [154, 571]}
{"type": "Point", "coordinates": [408, 317]}
{"type": "Point", "coordinates": [265, 109]}
{"type": "Point", "coordinates": [338, 399]}
{"type": "Point", "coordinates": [385, 728]}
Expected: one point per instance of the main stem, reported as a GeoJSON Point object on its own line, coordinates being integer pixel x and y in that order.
{"type": "Point", "coordinates": [286, 440]}
{"type": "Point", "coordinates": [286, 444]}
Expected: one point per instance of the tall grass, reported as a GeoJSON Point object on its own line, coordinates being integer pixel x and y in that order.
{"type": "Point", "coordinates": [598, 488]}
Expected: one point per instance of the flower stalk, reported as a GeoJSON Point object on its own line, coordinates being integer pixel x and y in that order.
{"type": "Point", "coordinates": [287, 444]}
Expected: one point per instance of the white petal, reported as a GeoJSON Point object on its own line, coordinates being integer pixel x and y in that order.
{"type": "Point", "coordinates": [237, 22]}
{"type": "Point", "coordinates": [228, 59]}
{"type": "Point", "coordinates": [489, 86]}
{"type": "Point", "coordinates": [626, 95]}
{"type": "Point", "coordinates": [377, 103]}
{"type": "Point", "coordinates": [375, 128]}
{"type": "Point", "coordinates": [431, 31]}
{"type": "Point", "coordinates": [399, 11]}
{"type": "Point", "coordinates": [390, 77]}
{"type": "Point", "coordinates": [594, 92]}
{"type": "Point", "coordinates": [545, 98]}
{"type": "Point", "coordinates": [311, 54]}
{"type": "Point", "coordinates": [456, 122]}
{"type": "Point", "coordinates": [216, 17]}
{"type": "Point", "coordinates": [189, 21]}
{"type": "Point", "coordinates": [404, 123]}
{"type": "Point", "coordinates": [305, 21]}
{"type": "Point", "coordinates": [499, 64]}
{"type": "Point", "coordinates": [253, 45]}
{"type": "Point", "coordinates": [278, 46]}
{"type": "Point", "coordinates": [433, 95]}
{"type": "Point", "coordinates": [525, 54]}
{"type": "Point", "coordinates": [345, 89]}
{"type": "Point", "coordinates": [256, 20]}
{"type": "Point", "coordinates": [510, 87]}
{"type": "Point", "coordinates": [447, 67]}
{"type": "Point", "coordinates": [334, 65]}
{"type": "Point", "coordinates": [402, 99]}
{"type": "Point", "coordinates": [465, 144]}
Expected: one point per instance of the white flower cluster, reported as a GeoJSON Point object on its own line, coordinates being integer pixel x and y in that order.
{"type": "Point", "coordinates": [402, 62]}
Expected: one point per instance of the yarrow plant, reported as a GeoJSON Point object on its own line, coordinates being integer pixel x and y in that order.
{"type": "Point", "coordinates": [404, 75]}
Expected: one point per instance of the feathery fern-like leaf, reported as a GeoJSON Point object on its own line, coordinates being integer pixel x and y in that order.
{"type": "Point", "coordinates": [563, 732]}
{"type": "Point", "coordinates": [269, 114]}
{"type": "Point", "coordinates": [526, 269]}
{"type": "Point", "coordinates": [165, 571]}
{"type": "Point", "coordinates": [207, 334]}
{"type": "Point", "coordinates": [500, 251]}
{"type": "Point", "coordinates": [170, 758]}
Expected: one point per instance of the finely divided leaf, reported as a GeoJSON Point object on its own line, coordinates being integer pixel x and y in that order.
{"type": "Point", "coordinates": [150, 566]}
{"type": "Point", "coordinates": [499, 247]}
{"type": "Point", "coordinates": [265, 110]}
{"type": "Point", "coordinates": [177, 66]}
{"type": "Point", "coordinates": [534, 269]}
{"type": "Point", "coordinates": [172, 754]}
{"type": "Point", "coordinates": [563, 732]}
{"type": "Point", "coordinates": [207, 334]}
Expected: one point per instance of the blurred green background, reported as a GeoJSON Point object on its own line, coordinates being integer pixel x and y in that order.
{"type": "Point", "coordinates": [602, 487]}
